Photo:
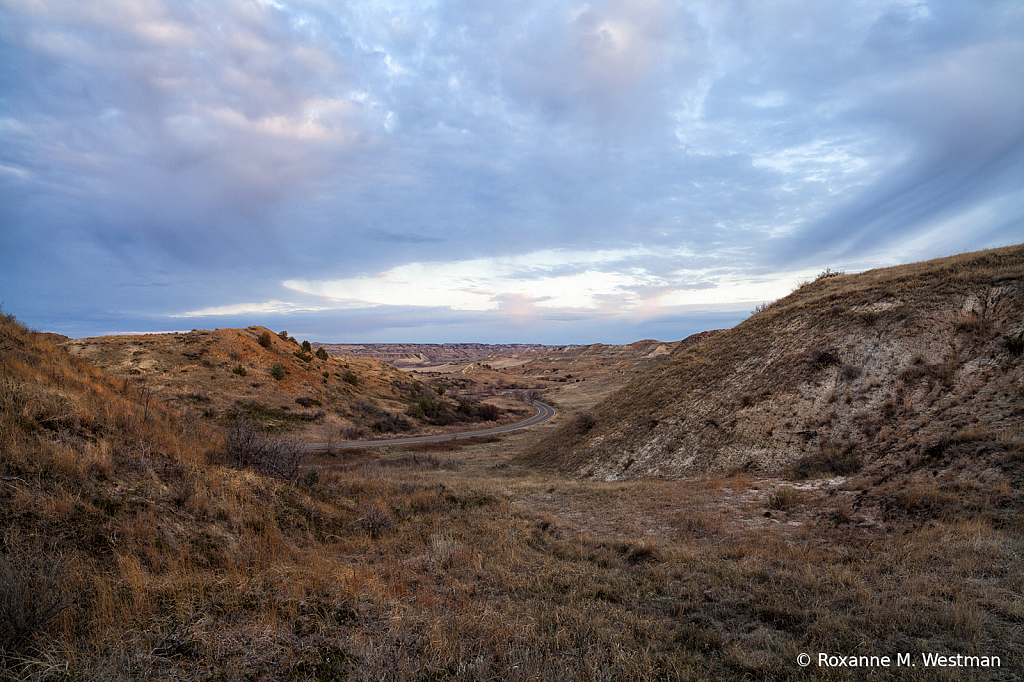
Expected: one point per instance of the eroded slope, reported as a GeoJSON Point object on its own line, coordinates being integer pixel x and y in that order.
{"type": "Point", "coordinates": [914, 363]}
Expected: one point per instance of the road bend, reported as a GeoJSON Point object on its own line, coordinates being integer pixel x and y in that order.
{"type": "Point", "coordinates": [544, 413]}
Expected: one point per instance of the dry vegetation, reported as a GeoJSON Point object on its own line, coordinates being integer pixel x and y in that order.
{"type": "Point", "coordinates": [134, 547]}
{"type": "Point", "coordinates": [572, 377]}
{"type": "Point", "coordinates": [916, 364]}
{"type": "Point", "coordinates": [273, 380]}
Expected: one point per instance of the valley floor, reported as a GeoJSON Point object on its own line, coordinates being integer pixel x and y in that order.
{"type": "Point", "coordinates": [458, 565]}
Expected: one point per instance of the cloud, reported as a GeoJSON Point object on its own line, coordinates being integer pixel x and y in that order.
{"type": "Point", "coordinates": [563, 160]}
{"type": "Point", "coordinates": [549, 283]}
{"type": "Point", "coordinates": [481, 284]}
{"type": "Point", "coordinates": [271, 307]}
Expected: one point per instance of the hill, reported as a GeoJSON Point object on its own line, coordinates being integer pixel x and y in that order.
{"type": "Point", "coordinates": [915, 364]}
{"type": "Point", "coordinates": [268, 376]}
{"type": "Point", "coordinates": [413, 355]}
{"type": "Point", "coordinates": [133, 545]}
{"type": "Point", "coordinates": [606, 367]}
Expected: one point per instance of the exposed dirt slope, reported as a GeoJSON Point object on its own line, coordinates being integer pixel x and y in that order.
{"type": "Point", "coordinates": [911, 364]}
{"type": "Point", "coordinates": [562, 370]}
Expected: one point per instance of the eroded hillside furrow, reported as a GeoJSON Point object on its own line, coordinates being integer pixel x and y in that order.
{"type": "Point", "coordinates": [891, 366]}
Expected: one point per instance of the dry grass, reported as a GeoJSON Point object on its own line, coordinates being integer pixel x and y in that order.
{"type": "Point", "coordinates": [178, 568]}
{"type": "Point", "coordinates": [881, 364]}
{"type": "Point", "coordinates": [219, 375]}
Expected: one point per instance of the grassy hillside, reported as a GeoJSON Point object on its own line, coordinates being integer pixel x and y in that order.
{"type": "Point", "coordinates": [913, 366]}
{"type": "Point", "coordinates": [270, 377]}
{"type": "Point", "coordinates": [131, 551]}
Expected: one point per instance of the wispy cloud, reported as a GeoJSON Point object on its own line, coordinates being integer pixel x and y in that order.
{"type": "Point", "coordinates": [268, 307]}
{"type": "Point", "coordinates": [606, 281]}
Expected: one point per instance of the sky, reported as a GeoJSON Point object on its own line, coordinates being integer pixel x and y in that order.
{"type": "Point", "coordinates": [457, 171]}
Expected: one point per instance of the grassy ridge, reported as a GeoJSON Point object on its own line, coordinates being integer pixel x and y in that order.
{"type": "Point", "coordinates": [887, 364]}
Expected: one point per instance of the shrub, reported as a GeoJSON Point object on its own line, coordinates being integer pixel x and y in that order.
{"type": "Point", "coordinates": [869, 317]}
{"type": "Point", "coordinates": [366, 410]}
{"type": "Point", "coordinates": [1015, 344]}
{"type": "Point", "coordinates": [390, 424]}
{"type": "Point", "coordinates": [583, 422]}
{"type": "Point", "coordinates": [822, 358]}
{"type": "Point", "coordinates": [489, 412]}
{"type": "Point", "coordinates": [277, 371]}
{"type": "Point", "coordinates": [32, 597]}
{"type": "Point", "coordinates": [249, 448]}
{"type": "Point", "coordinates": [283, 335]}
{"type": "Point", "coordinates": [353, 433]}
{"type": "Point", "coordinates": [264, 340]}
{"type": "Point", "coordinates": [239, 370]}
{"type": "Point", "coordinates": [376, 521]}
{"type": "Point", "coordinates": [305, 357]}
{"type": "Point", "coordinates": [850, 372]}
{"type": "Point", "coordinates": [784, 497]}
{"type": "Point", "coordinates": [307, 347]}
{"type": "Point", "coordinates": [431, 407]}
{"type": "Point", "coordinates": [828, 273]}
{"type": "Point", "coordinates": [831, 460]}
{"type": "Point", "coordinates": [322, 354]}
{"type": "Point", "coordinates": [972, 322]}
{"type": "Point", "coordinates": [349, 377]}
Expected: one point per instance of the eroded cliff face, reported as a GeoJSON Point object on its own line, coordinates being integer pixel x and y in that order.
{"type": "Point", "coordinates": [912, 363]}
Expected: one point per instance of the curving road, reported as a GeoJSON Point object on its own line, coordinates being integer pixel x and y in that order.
{"type": "Point", "coordinates": [544, 413]}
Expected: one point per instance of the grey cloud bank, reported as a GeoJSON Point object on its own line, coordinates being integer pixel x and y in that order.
{"type": "Point", "coordinates": [455, 171]}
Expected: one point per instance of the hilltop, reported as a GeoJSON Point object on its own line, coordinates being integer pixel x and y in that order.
{"type": "Point", "coordinates": [284, 385]}
{"type": "Point", "coordinates": [906, 366]}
